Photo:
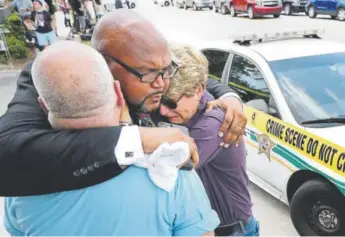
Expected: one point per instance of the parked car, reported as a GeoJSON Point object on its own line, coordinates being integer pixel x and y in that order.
{"type": "Point", "coordinates": [109, 5]}
{"type": "Point", "coordinates": [333, 8]}
{"type": "Point", "coordinates": [294, 6]}
{"type": "Point", "coordinates": [198, 4]}
{"type": "Point", "coordinates": [165, 3]}
{"type": "Point", "coordinates": [132, 3]}
{"type": "Point", "coordinates": [255, 8]}
{"type": "Point", "coordinates": [218, 6]}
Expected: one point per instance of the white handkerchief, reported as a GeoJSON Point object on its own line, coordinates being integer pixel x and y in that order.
{"type": "Point", "coordinates": [163, 164]}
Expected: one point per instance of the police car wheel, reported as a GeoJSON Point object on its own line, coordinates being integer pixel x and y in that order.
{"type": "Point", "coordinates": [316, 209]}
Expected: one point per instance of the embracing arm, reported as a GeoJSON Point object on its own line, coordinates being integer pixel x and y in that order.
{"type": "Point", "coordinates": [205, 135]}
{"type": "Point", "coordinates": [34, 159]}
{"type": "Point", "coordinates": [235, 120]}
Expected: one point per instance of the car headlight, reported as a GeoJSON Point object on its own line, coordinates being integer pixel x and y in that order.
{"type": "Point", "coordinates": [258, 2]}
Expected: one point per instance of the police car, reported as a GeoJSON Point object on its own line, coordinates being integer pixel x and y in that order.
{"type": "Point", "coordinates": [293, 87]}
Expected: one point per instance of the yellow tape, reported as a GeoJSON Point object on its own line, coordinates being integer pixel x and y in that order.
{"type": "Point", "coordinates": [310, 146]}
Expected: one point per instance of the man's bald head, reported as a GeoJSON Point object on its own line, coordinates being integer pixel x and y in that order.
{"type": "Point", "coordinates": [74, 81]}
{"type": "Point", "coordinates": [132, 42]}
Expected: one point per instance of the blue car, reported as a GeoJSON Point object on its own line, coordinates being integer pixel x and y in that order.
{"type": "Point", "coordinates": [333, 8]}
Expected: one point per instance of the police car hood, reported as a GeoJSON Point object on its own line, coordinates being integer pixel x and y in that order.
{"type": "Point", "coordinates": [334, 134]}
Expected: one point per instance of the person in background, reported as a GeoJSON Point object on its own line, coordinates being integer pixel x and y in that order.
{"type": "Point", "coordinates": [65, 8]}
{"type": "Point", "coordinates": [30, 30]}
{"type": "Point", "coordinates": [84, 95]}
{"type": "Point", "coordinates": [52, 9]}
{"type": "Point", "coordinates": [23, 7]}
{"type": "Point", "coordinates": [222, 171]}
{"type": "Point", "coordinates": [43, 22]}
{"type": "Point", "coordinates": [78, 15]}
{"type": "Point", "coordinates": [99, 8]}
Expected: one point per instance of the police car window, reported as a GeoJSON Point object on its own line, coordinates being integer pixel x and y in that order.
{"type": "Point", "coordinates": [247, 80]}
{"type": "Point", "coordinates": [216, 60]}
{"type": "Point", "coordinates": [313, 86]}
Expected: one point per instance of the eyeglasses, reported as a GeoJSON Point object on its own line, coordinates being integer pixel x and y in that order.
{"type": "Point", "coordinates": [166, 73]}
{"type": "Point", "coordinates": [170, 103]}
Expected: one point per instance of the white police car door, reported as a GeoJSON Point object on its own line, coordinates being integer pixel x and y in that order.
{"type": "Point", "coordinates": [247, 79]}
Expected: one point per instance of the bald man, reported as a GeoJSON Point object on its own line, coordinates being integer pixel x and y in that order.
{"type": "Point", "coordinates": [89, 98]}
{"type": "Point", "coordinates": [38, 160]}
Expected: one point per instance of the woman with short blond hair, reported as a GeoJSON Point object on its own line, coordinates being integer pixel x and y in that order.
{"type": "Point", "coordinates": [222, 171]}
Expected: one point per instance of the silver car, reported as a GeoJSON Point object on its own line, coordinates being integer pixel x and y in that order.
{"type": "Point", "coordinates": [198, 4]}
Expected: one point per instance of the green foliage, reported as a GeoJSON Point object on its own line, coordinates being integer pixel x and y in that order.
{"type": "Point", "coordinates": [16, 37]}
{"type": "Point", "coordinates": [3, 59]}
{"type": "Point", "coordinates": [14, 24]}
{"type": "Point", "coordinates": [16, 47]}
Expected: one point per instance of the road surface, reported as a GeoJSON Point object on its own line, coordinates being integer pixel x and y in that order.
{"type": "Point", "coordinates": [207, 25]}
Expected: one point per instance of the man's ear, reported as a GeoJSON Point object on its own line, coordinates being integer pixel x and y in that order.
{"type": "Point", "coordinates": [120, 100]}
{"type": "Point", "coordinates": [43, 106]}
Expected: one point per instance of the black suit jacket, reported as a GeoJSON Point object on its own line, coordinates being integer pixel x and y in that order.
{"type": "Point", "coordinates": [35, 159]}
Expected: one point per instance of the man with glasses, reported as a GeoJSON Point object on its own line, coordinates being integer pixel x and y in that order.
{"type": "Point", "coordinates": [141, 113]}
{"type": "Point", "coordinates": [34, 159]}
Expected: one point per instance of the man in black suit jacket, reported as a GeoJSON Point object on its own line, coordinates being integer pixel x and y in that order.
{"type": "Point", "coordinates": [34, 159]}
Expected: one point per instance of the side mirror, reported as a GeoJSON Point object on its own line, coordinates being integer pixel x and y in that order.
{"type": "Point", "coordinates": [258, 104]}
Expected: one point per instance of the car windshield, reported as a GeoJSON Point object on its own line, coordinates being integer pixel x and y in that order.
{"type": "Point", "coordinates": [314, 87]}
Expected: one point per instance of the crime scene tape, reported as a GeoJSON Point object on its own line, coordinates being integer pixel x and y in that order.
{"type": "Point", "coordinates": [310, 146]}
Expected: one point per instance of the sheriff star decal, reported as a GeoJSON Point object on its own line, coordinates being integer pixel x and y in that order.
{"type": "Point", "coordinates": [265, 145]}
